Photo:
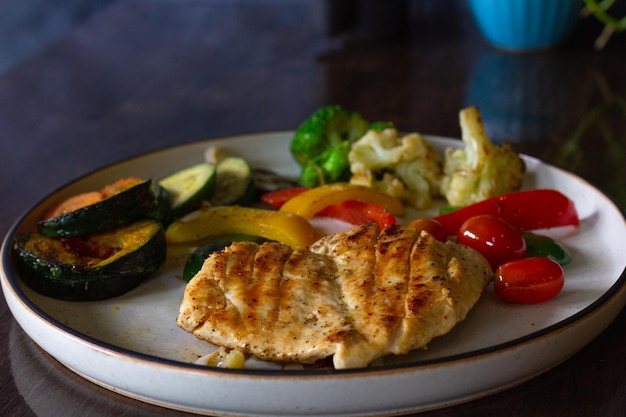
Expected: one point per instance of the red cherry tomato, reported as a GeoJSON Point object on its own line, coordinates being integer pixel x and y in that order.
{"type": "Point", "coordinates": [496, 240]}
{"type": "Point", "coordinates": [432, 226]}
{"type": "Point", "coordinates": [529, 280]}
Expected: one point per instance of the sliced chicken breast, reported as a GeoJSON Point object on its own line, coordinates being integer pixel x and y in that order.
{"type": "Point", "coordinates": [356, 296]}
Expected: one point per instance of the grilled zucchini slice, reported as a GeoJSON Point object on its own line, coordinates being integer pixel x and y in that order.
{"type": "Point", "coordinates": [94, 267]}
{"type": "Point", "coordinates": [189, 187]}
{"type": "Point", "coordinates": [234, 183]}
{"type": "Point", "coordinates": [121, 203]}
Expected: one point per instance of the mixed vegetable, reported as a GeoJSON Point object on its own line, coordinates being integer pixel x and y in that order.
{"type": "Point", "coordinates": [322, 142]}
{"type": "Point", "coordinates": [118, 204]}
{"type": "Point", "coordinates": [524, 210]}
{"type": "Point", "coordinates": [210, 222]}
{"type": "Point", "coordinates": [337, 145]}
{"type": "Point", "coordinates": [92, 267]}
{"type": "Point", "coordinates": [407, 167]}
{"type": "Point", "coordinates": [103, 243]}
{"type": "Point", "coordinates": [480, 170]}
{"type": "Point", "coordinates": [341, 201]}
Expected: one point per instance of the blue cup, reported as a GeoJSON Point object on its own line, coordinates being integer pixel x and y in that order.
{"type": "Point", "coordinates": [525, 25]}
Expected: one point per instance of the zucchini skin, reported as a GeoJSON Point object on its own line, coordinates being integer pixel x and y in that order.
{"type": "Point", "coordinates": [45, 273]}
{"type": "Point", "coordinates": [162, 211]}
{"type": "Point", "coordinates": [126, 207]}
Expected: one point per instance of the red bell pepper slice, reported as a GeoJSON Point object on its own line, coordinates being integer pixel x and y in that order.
{"type": "Point", "coordinates": [277, 198]}
{"type": "Point", "coordinates": [359, 212]}
{"type": "Point", "coordinates": [353, 212]}
{"type": "Point", "coordinates": [524, 210]}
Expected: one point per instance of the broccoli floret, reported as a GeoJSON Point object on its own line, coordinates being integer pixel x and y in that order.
{"type": "Point", "coordinates": [322, 142]}
{"type": "Point", "coordinates": [407, 168]}
{"type": "Point", "coordinates": [480, 170]}
{"type": "Point", "coordinates": [380, 126]}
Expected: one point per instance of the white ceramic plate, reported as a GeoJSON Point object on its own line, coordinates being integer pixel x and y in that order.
{"type": "Point", "coordinates": [131, 344]}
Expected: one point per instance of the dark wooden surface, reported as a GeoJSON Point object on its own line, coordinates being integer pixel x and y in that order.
{"type": "Point", "coordinates": [126, 77]}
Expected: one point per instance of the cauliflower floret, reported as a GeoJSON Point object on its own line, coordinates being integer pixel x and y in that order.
{"type": "Point", "coordinates": [407, 168]}
{"type": "Point", "coordinates": [480, 170]}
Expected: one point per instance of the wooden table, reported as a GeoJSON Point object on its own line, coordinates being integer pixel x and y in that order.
{"type": "Point", "coordinates": [139, 75]}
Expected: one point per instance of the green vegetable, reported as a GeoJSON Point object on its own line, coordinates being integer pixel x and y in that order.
{"type": "Point", "coordinates": [448, 209]}
{"type": "Point", "coordinates": [540, 245]}
{"type": "Point", "coordinates": [234, 182]}
{"type": "Point", "coordinates": [93, 267]}
{"type": "Point", "coordinates": [481, 170]}
{"type": "Point", "coordinates": [162, 210]}
{"type": "Point", "coordinates": [189, 187]}
{"type": "Point", "coordinates": [130, 204]}
{"type": "Point", "coordinates": [380, 126]}
{"type": "Point", "coordinates": [196, 259]}
{"type": "Point", "coordinates": [322, 142]}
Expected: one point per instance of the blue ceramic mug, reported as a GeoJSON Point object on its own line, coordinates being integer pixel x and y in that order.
{"type": "Point", "coordinates": [525, 25]}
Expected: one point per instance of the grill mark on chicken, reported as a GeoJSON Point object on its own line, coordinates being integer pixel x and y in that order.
{"type": "Point", "coordinates": [264, 290]}
{"type": "Point", "coordinates": [355, 296]}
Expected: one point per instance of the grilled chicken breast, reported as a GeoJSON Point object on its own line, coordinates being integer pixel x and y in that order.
{"type": "Point", "coordinates": [355, 295]}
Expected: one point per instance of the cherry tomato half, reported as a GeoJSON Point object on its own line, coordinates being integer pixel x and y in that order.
{"type": "Point", "coordinates": [529, 280]}
{"type": "Point", "coordinates": [432, 226]}
{"type": "Point", "coordinates": [496, 240]}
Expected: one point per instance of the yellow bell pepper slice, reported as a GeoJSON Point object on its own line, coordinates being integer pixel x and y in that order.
{"type": "Point", "coordinates": [310, 202]}
{"type": "Point", "coordinates": [287, 228]}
